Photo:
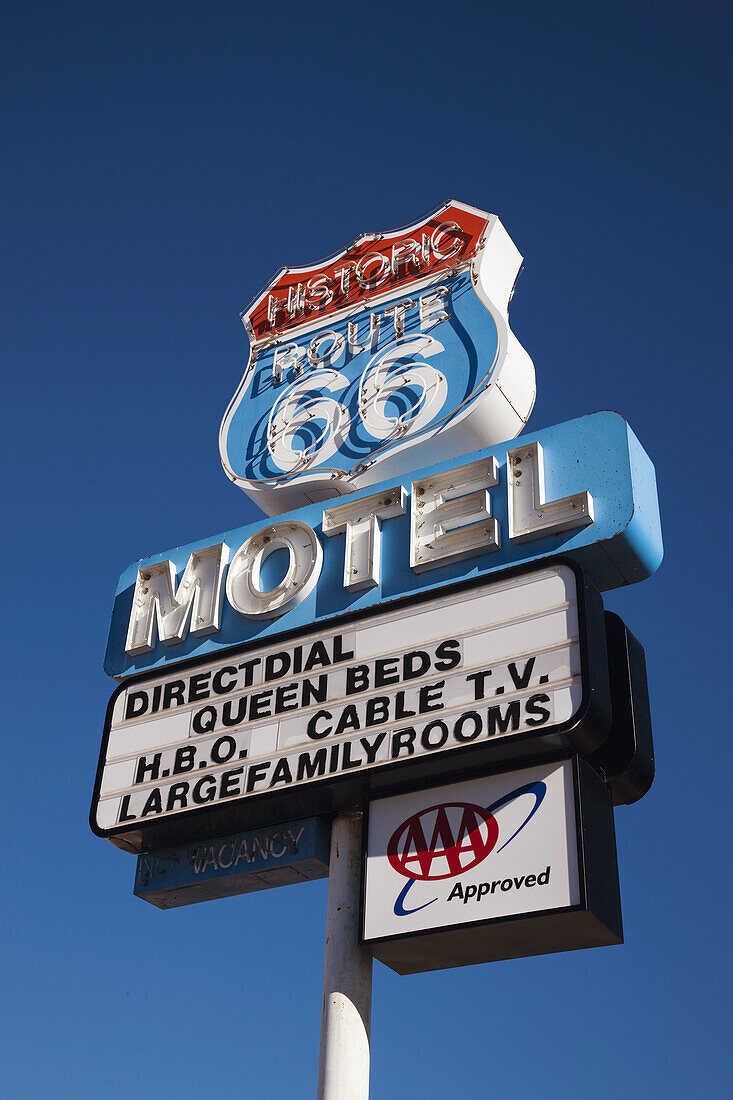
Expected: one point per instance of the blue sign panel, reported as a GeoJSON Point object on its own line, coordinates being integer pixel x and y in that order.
{"type": "Point", "coordinates": [365, 390]}
{"type": "Point", "coordinates": [584, 488]}
{"type": "Point", "coordinates": [295, 851]}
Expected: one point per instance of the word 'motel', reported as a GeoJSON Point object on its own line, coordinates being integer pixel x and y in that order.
{"type": "Point", "coordinates": [450, 520]}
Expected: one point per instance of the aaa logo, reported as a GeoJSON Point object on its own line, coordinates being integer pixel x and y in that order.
{"type": "Point", "coordinates": [445, 854]}
{"type": "Point", "coordinates": [450, 838]}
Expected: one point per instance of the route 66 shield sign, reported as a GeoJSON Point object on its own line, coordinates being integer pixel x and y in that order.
{"type": "Point", "coordinates": [393, 353]}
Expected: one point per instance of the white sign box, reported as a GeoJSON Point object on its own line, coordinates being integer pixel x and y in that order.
{"type": "Point", "coordinates": [477, 675]}
{"type": "Point", "coordinates": [516, 863]}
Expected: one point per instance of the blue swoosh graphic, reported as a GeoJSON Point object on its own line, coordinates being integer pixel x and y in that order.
{"type": "Point", "coordinates": [399, 908]}
{"type": "Point", "coordinates": [538, 789]}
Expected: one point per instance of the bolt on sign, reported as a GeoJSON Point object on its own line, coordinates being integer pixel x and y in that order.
{"type": "Point", "coordinates": [394, 352]}
{"type": "Point", "coordinates": [625, 760]}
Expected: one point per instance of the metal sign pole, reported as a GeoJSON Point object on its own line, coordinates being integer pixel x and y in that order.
{"type": "Point", "coordinates": [343, 1068]}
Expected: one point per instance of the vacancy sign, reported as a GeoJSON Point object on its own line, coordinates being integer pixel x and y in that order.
{"type": "Point", "coordinates": [517, 665]}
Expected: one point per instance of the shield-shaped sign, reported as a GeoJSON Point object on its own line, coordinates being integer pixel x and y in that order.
{"type": "Point", "coordinates": [393, 353]}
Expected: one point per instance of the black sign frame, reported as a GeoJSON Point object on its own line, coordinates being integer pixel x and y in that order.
{"type": "Point", "coordinates": [583, 733]}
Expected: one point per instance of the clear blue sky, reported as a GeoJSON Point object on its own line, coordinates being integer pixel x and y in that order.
{"type": "Point", "coordinates": [161, 160]}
